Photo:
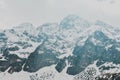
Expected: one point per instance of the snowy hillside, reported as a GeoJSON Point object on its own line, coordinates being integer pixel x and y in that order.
{"type": "Point", "coordinates": [74, 49]}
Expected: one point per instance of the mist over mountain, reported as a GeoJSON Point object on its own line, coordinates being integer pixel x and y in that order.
{"type": "Point", "coordinates": [74, 48]}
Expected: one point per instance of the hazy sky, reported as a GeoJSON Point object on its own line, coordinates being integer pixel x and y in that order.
{"type": "Point", "coordinates": [37, 12]}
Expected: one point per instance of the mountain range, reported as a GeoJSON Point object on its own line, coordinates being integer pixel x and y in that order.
{"type": "Point", "coordinates": [74, 48]}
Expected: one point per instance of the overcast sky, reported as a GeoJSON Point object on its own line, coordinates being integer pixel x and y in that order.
{"type": "Point", "coordinates": [37, 12]}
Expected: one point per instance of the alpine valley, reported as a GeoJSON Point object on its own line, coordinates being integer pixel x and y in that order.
{"type": "Point", "coordinates": [74, 49]}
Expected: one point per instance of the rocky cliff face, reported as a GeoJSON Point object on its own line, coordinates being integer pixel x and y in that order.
{"type": "Point", "coordinates": [73, 45]}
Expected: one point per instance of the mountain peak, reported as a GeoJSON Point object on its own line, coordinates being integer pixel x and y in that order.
{"type": "Point", "coordinates": [24, 26]}
{"type": "Point", "coordinates": [72, 17]}
{"type": "Point", "coordinates": [73, 21]}
{"type": "Point", "coordinates": [47, 25]}
{"type": "Point", "coordinates": [101, 23]}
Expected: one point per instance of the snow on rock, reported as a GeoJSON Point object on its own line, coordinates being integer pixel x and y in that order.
{"type": "Point", "coordinates": [60, 39]}
{"type": "Point", "coordinates": [89, 73]}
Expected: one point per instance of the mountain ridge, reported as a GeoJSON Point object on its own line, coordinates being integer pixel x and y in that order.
{"type": "Point", "coordinates": [75, 41]}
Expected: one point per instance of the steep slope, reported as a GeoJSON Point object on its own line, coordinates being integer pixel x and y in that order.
{"type": "Point", "coordinates": [75, 47]}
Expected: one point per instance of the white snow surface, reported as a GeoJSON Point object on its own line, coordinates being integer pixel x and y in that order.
{"type": "Point", "coordinates": [69, 38]}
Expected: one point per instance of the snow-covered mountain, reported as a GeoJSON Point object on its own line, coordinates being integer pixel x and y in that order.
{"type": "Point", "coordinates": [75, 48]}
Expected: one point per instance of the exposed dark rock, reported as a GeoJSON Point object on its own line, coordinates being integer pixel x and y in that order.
{"type": "Point", "coordinates": [4, 65]}
{"type": "Point", "coordinates": [60, 65]}
{"type": "Point", "coordinates": [37, 61]}
{"type": "Point", "coordinates": [13, 62]}
{"type": "Point", "coordinates": [13, 48]}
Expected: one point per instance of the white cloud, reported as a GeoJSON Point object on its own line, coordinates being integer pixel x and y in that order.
{"type": "Point", "coordinates": [2, 4]}
{"type": "Point", "coordinates": [42, 11]}
{"type": "Point", "coordinates": [110, 1]}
